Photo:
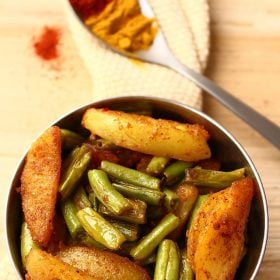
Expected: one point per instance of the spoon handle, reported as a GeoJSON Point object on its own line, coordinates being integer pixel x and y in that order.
{"type": "Point", "coordinates": [265, 127]}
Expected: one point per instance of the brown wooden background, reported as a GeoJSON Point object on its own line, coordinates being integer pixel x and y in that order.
{"type": "Point", "coordinates": [245, 59]}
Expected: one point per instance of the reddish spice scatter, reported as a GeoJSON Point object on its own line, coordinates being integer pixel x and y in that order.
{"type": "Point", "coordinates": [86, 8]}
{"type": "Point", "coordinates": [210, 163]}
{"type": "Point", "coordinates": [100, 155]}
{"type": "Point", "coordinates": [46, 45]}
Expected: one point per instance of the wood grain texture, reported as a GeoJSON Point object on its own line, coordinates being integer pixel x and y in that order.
{"type": "Point", "coordinates": [244, 59]}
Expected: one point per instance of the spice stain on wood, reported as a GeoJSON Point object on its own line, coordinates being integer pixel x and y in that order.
{"type": "Point", "coordinates": [46, 44]}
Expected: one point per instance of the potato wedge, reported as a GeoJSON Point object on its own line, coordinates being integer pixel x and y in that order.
{"type": "Point", "coordinates": [39, 184]}
{"type": "Point", "coordinates": [216, 237]}
{"type": "Point", "coordinates": [147, 135]}
{"type": "Point", "coordinates": [103, 264]}
{"type": "Point", "coordinates": [43, 266]}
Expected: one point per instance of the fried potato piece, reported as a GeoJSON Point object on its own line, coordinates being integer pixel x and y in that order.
{"type": "Point", "coordinates": [103, 264]}
{"type": "Point", "coordinates": [148, 135]}
{"type": "Point", "coordinates": [43, 266]}
{"type": "Point", "coordinates": [216, 237]}
{"type": "Point", "coordinates": [39, 183]}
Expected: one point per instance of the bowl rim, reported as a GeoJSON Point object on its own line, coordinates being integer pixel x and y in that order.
{"type": "Point", "coordinates": [149, 99]}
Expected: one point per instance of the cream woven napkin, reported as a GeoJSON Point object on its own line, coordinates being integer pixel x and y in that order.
{"type": "Point", "coordinates": [185, 24]}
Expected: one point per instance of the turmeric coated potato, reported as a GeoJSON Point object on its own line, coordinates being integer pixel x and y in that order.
{"type": "Point", "coordinates": [39, 183]}
{"type": "Point", "coordinates": [144, 134]}
{"type": "Point", "coordinates": [103, 264]}
{"type": "Point", "coordinates": [216, 237]}
{"type": "Point", "coordinates": [43, 266]}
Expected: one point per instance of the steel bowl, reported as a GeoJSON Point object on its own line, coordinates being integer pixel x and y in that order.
{"type": "Point", "coordinates": [223, 145]}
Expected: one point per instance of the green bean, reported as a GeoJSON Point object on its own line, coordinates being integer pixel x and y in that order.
{"type": "Point", "coordinates": [150, 241]}
{"type": "Point", "coordinates": [93, 200]}
{"type": "Point", "coordinates": [69, 159]}
{"type": "Point", "coordinates": [74, 172]}
{"type": "Point", "coordinates": [136, 214]}
{"type": "Point", "coordinates": [150, 196]}
{"type": "Point", "coordinates": [80, 199]}
{"type": "Point", "coordinates": [130, 231]}
{"type": "Point", "coordinates": [100, 229]}
{"type": "Point", "coordinates": [213, 178]}
{"type": "Point", "coordinates": [176, 171]}
{"type": "Point", "coordinates": [70, 139]}
{"type": "Point", "coordinates": [157, 165]}
{"type": "Point", "coordinates": [88, 241]}
{"type": "Point", "coordinates": [187, 195]}
{"type": "Point", "coordinates": [69, 211]}
{"type": "Point", "coordinates": [149, 260]}
{"type": "Point", "coordinates": [170, 199]}
{"type": "Point", "coordinates": [167, 261]}
{"type": "Point", "coordinates": [105, 192]}
{"type": "Point", "coordinates": [26, 243]}
{"type": "Point", "coordinates": [162, 260]}
{"type": "Point", "coordinates": [199, 202]}
{"type": "Point", "coordinates": [173, 267]}
{"type": "Point", "coordinates": [129, 175]}
{"type": "Point", "coordinates": [186, 272]}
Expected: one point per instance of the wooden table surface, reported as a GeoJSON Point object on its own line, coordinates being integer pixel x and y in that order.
{"type": "Point", "coordinates": [245, 59]}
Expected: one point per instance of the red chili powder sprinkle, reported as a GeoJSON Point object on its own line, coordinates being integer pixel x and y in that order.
{"type": "Point", "coordinates": [86, 8]}
{"type": "Point", "coordinates": [46, 44]}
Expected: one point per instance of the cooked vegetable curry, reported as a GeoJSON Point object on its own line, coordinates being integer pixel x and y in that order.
{"type": "Point", "coordinates": [128, 202]}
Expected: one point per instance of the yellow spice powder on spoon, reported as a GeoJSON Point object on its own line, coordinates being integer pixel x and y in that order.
{"type": "Point", "coordinates": [122, 25]}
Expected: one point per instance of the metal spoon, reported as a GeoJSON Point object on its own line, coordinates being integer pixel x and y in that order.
{"type": "Point", "coordinates": [161, 54]}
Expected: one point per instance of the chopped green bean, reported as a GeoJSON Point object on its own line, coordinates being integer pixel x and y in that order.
{"type": "Point", "coordinates": [162, 260]}
{"type": "Point", "coordinates": [106, 193]}
{"type": "Point", "coordinates": [69, 159]}
{"type": "Point", "coordinates": [157, 165]}
{"type": "Point", "coordinates": [69, 211]}
{"type": "Point", "coordinates": [167, 261]}
{"type": "Point", "coordinates": [176, 171]}
{"type": "Point", "coordinates": [129, 175]}
{"type": "Point", "coordinates": [149, 260]}
{"type": "Point", "coordinates": [186, 272]}
{"type": "Point", "coordinates": [93, 200]}
{"type": "Point", "coordinates": [200, 200]}
{"type": "Point", "coordinates": [213, 178]}
{"type": "Point", "coordinates": [173, 266]}
{"type": "Point", "coordinates": [136, 214]}
{"type": "Point", "coordinates": [150, 241]}
{"type": "Point", "coordinates": [26, 243]}
{"type": "Point", "coordinates": [88, 241]}
{"type": "Point", "coordinates": [130, 231]}
{"type": "Point", "coordinates": [70, 139]}
{"type": "Point", "coordinates": [74, 172]}
{"type": "Point", "coordinates": [150, 196]}
{"type": "Point", "coordinates": [80, 199]}
{"type": "Point", "coordinates": [100, 229]}
{"type": "Point", "coordinates": [170, 199]}
{"type": "Point", "coordinates": [187, 195]}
